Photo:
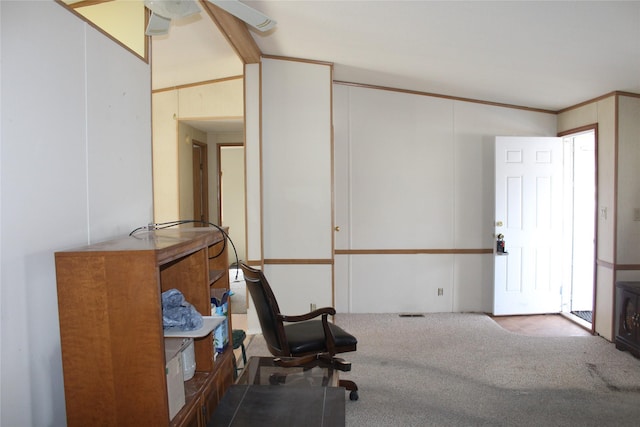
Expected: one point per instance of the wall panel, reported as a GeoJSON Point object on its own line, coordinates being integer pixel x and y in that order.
{"type": "Point", "coordinates": [472, 288]}
{"type": "Point", "coordinates": [253, 167]}
{"type": "Point", "coordinates": [414, 173]}
{"type": "Point", "coordinates": [578, 117]}
{"type": "Point", "coordinates": [628, 226]}
{"type": "Point", "coordinates": [606, 169]}
{"type": "Point", "coordinates": [219, 99]}
{"type": "Point", "coordinates": [296, 287]}
{"type": "Point", "coordinates": [400, 283]}
{"type": "Point", "coordinates": [81, 175]}
{"type": "Point", "coordinates": [119, 133]}
{"type": "Point", "coordinates": [296, 160]}
{"type": "Point", "coordinates": [165, 157]}
{"type": "Point", "coordinates": [341, 161]}
{"type": "Point", "coordinates": [401, 170]}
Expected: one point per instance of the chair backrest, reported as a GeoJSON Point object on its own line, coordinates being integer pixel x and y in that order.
{"type": "Point", "coordinates": [267, 310]}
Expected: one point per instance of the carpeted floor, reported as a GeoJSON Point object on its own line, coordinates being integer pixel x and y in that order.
{"type": "Point", "coordinates": [238, 291]}
{"type": "Point", "coordinates": [465, 370]}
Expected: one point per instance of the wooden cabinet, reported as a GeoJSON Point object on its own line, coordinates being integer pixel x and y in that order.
{"type": "Point", "coordinates": [109, 299]}
{"type": "Point", "coordinates": [628, 317]}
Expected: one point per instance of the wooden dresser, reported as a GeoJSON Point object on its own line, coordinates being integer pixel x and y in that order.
{"type": "Point", "coordinates": [628, 317]}
{"type": "Point", "coordinates": [109, 299]}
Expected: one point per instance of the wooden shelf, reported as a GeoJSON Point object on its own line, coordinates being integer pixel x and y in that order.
{"type": "Point", "coordinates": [215, 275]}
{"type": "Point", "coordinates": [115, 376]}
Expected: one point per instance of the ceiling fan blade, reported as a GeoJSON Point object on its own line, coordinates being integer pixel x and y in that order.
{"type": "Point", "coordinates": [172, 9]}
{"type": "Point", "coordinates": [163, 11]}
{"type": "Point", "coordinates": [158, 25]}
{"type": "Point", "coordinates": [251, 16]}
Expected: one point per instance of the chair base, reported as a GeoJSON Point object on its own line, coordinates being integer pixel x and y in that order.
{"type": "Point", "coordinates": [325, 359]}
{"type": "Point", "coordinates": [322, 359]}
{"type": "Point", "coordinates": [351, 387]}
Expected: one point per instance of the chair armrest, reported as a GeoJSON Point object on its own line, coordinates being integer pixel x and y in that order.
{"type": "Point", "coordinates": [308, 316]}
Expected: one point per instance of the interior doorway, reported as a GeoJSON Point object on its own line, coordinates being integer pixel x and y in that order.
{"type": "Point", "coordinates": [200, 183]}
{"type": "Point", "coordinates": [579, 241]}
{"type": "Point", "coordinates": [231, 194]}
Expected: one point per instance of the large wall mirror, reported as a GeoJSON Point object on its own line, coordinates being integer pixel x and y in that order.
{"type": "Point", "coordinates": [198, 107]}
{"type": "Point", "coordinates": [197, 90]}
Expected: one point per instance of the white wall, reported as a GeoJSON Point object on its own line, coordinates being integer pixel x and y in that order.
{"type": "Point", "coordinates": [166, 194]}
{"type": "Point", "coordinates": [628, 200]}
{"type": "Point", "coordinates": [252, 159]}
{"type": "Point", "coordinates": [414, 172]}
{"type": "Point", "coordinates": [233, 189]}
{"type": "Point", "coordinates": [628, 228]}
{"type": "Point", "coordinates": [76, 168]}
{"type": "Point", "coordinates": [236, 223]}
{"type": "Point", "coordinates": [296, 156]}
{"type": "Point", "coordinates": [296, 182]}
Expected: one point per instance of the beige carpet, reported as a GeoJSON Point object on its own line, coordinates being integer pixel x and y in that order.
{"type": "Point", "coordinates": [465, 370]}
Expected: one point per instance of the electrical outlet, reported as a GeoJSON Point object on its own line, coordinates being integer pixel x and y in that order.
{"type": "Point", "coordinates": [312, 306]}
{"type": "Point", "coordinates": [440, 292]}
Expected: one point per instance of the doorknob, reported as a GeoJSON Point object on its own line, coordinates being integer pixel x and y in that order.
{"type": "Point", "coordinates": [337, 228]}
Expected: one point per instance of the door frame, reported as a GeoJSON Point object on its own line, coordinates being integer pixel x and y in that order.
{"type": "Point", "coordinates": [200, 182]}
{"type": "Point", "coordinates": [592, 127]}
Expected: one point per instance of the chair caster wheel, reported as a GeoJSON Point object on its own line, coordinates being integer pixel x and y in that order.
{"type": "Point", "coordinates": [353, 395]}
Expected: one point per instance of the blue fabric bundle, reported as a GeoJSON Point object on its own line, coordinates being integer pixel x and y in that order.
{"type": "Point", "coordinates": [177, 312]}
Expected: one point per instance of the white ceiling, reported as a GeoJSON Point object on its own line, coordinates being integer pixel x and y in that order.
{"type": "Point", "coordinates": [547, 55]}
{"type": "Point", "coordinates": [193, 51]}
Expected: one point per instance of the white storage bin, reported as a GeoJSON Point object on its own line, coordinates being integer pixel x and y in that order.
{"type": "Point", "coordinates": [175, 376]}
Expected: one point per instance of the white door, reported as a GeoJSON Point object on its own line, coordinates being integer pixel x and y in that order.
{"type": "Point", "coordinates": [528, 212]}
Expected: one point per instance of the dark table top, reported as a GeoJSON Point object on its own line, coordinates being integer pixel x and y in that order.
{"type": "Point", "coordinates": [278, 406]}
{"type": "Point", "coordinates": [263, 371]}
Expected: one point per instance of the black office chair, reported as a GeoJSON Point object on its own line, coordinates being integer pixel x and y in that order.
{"type": "Point", "coordinates": [299, 339]}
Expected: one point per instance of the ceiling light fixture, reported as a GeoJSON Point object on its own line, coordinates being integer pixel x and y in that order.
{"type": "Point", "coordinates": [251, 16]}
{"type": "Point", "coordinates": [163, 11]}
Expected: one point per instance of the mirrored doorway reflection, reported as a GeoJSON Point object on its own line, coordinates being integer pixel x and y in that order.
{"type": "Point", "coordinates": [580, 237]}
{"type": "Point", "coordinates": [231, 195]}
{"type": "Point", "coordinates": [200, 182]}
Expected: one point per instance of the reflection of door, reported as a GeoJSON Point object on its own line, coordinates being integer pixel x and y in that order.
{"type": "Point", "coordinates": [200, 180]}
{"type": "Point", "coordinates": [231, 194]}
{"type": "Point", "coordinates": [528, 212]}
